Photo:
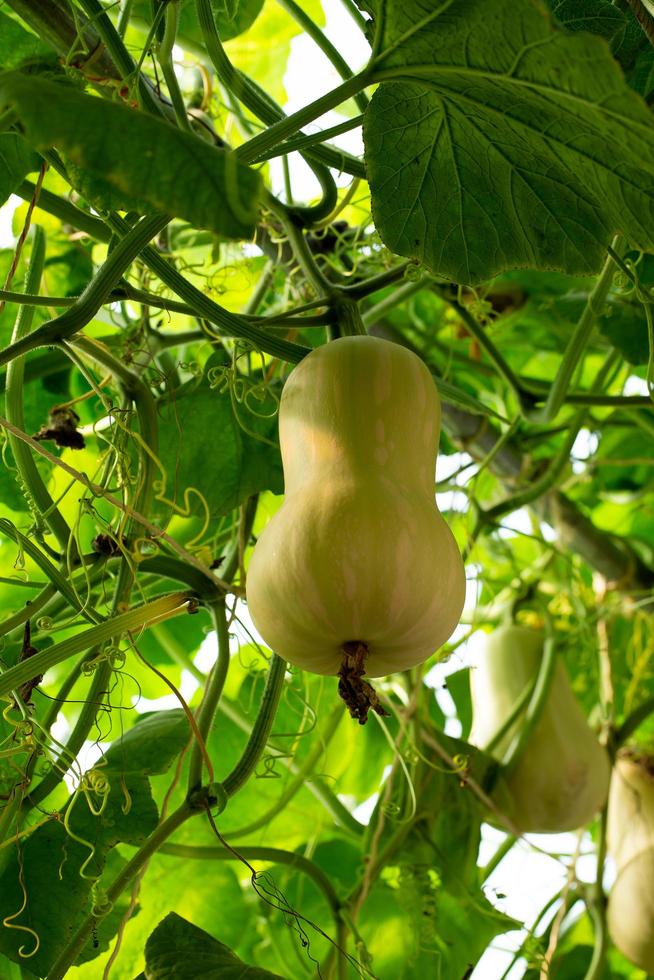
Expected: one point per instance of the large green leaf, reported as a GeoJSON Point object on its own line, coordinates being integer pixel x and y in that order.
{"type": "Point", "coordinates": [152, 744]}
{"type": "Point", "coordinates": [20, 47]}
{"type": "Point", "coordinates": [58, 869]}
{"type": "Point", "coordinates": [214, 449]}
{"type": "Point", "coordinates": [17, 159]}
{"type": "Point", "coordinates": [496, 142]}
{"type": "Point", "coordinates": [142, 162]}
{"type": "Point", "coordinates": [178, 949]}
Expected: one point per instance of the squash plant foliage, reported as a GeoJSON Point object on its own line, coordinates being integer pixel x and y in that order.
{"type": "Point", "coordinates": [471, 179]}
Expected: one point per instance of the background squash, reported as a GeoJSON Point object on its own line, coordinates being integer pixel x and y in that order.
{"type": "Point", "coordinates": [562, 775]}
{"type": "Point", "coordinates": [630, 837]}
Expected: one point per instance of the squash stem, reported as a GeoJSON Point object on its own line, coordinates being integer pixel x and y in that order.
{"type": "Point", "coordinates": [358, 695]}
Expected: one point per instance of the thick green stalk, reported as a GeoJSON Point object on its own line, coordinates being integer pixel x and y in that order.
{"type": "Point", "coordinates": [229, 324]}
{"type": "Point", "coordinates": [577, 343]}
{"type": "Point", "coordinates": [261, 105]}
{"type": "Point", "coordinates": [165, 57]}
{"type": "Point", "coordinates": [311, 140]}
{"type": "Point", "coordinates": [302, 775]}
{"type": "Point", "coordinates": [140, 617]}
{"type": "Point", "coordinates": [261, 728]}
{"type": "Point", "coordinates": [534, 709]}
{"type": "Point", "coordinates": [60, 208]}
{"type": "Point", "coordinates": [212, 695]}
{"type": "Point", "coordinates": [95, 294]}
{"type": "Point", "coordinates": [30, 477]}
{"type": "Point", "coordinates": [277, 133]}
{"type": "Point", "coordinates": [597, 908]}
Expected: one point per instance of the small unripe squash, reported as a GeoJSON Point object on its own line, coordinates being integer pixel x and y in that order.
{"type": "Point", "coordinates": [358, 553]}
{"type": "Point", "coordinates": [561, 778]}
{"type": "Point", "coordinates": [630, 838]}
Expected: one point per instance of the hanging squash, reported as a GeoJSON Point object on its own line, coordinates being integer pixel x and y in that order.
{"type": "Point", "coordinates": [561, 778]}
{"type": "Point", "coordinates": [357, 573]}
{"type": "Point", "coordinates": [630, 838]}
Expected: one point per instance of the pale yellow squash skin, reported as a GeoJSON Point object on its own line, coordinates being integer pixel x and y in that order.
{"type": "Point", "coordinates": [561, 779]}
{"type": "Point", "coordinates": [358, 550]}
{"type": "Point", "coordinates": [630, 839]}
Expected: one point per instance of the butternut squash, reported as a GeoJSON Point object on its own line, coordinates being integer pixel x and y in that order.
{"type": "Point", "coordinates": [357, 572]}
{"type": "Point", "coordinates": [561, 778]}
{"type": "Point", "coordinates": [630, 839]}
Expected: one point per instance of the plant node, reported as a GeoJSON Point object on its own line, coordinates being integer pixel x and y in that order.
{"type": "Point", "coordinates": [359, 695]}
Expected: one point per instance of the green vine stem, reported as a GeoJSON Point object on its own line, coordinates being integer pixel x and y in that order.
{"type": "Point", "coordinates": [28, 473]}
{"type": "Point", "coordinates": [302, 775]}
{"type": "Point", "coordinates": [165, 57]}
{"type": "Point", "coordinates": [578, 341]}
{"type": "Point", "coordinates": [230, 324]}
{"type": "Point", "coordinates": [300, 247]}
{"type": "Point", "coordinates": [90, 301]}
{"type": "Point", "coordinates": [275, 135]}
{"type": "Point", "coordinates": [67, 212]}
{"type": "Point", "coordinates": [140, 617]}
{"type": "Point", "coordinates": [216, 682]}
{"type": "Point", "coordinates": [263, 107]}
{"type": "Point", "coordinates": [212, 694]}
{"type": "Point", "coordinates": [120, 55]}
{"type": "Point", "coordinates": [597, 907]}
{"type": "Point", "coordinates": [633, 721]}
{"type": "Point", "coordinates": [499, 855]}
{"type": "Point", "coordinates": [331, 53]}
{"type": "Point", "coordinates": [261, 728]}
{"type": "Point", "coordinates": [535, 707]}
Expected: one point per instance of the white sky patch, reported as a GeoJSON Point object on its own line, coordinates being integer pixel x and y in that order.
{"type": "Point", "coordinates": [521, 886]}
{"type": "Point", "coordinates": [187, 688]}
{"type": "Point", "coordinates": [7, 238]}
{"type": "Point", "coordinates": [310, 74]}
{"type": "Point", "coordinates": [635, 386]}
{"type": "Point", "coordinates": [519, 522]}
{"type": "Point", "coordinates": [585, 446]}
{"type": "Point", "coordinates": [87, 756]}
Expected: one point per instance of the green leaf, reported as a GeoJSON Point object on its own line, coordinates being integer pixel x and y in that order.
{"type": "Point", "coordinates": [17, 159]}
{"type": "Point", "coordinates": [215, 450]}
{"type": "Point", "coordinates": [496, 142]}
{"type": "Point", "coordinates": [597, 16]}
{"type": "Point", "coordinates": [142, 161]}
{"type": "Point", "coordinates": [232, 17]}
{"type": "Point", "coordinates": [20, 47]}
{"type": "Point", "coordinates": [58, 870]}
{"type": "Point", "coordinates": [178, 949]}
{"type": "Point", "coordinates": [152, 744]}
{"type": "Point", "coordinates": [625, 327]}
